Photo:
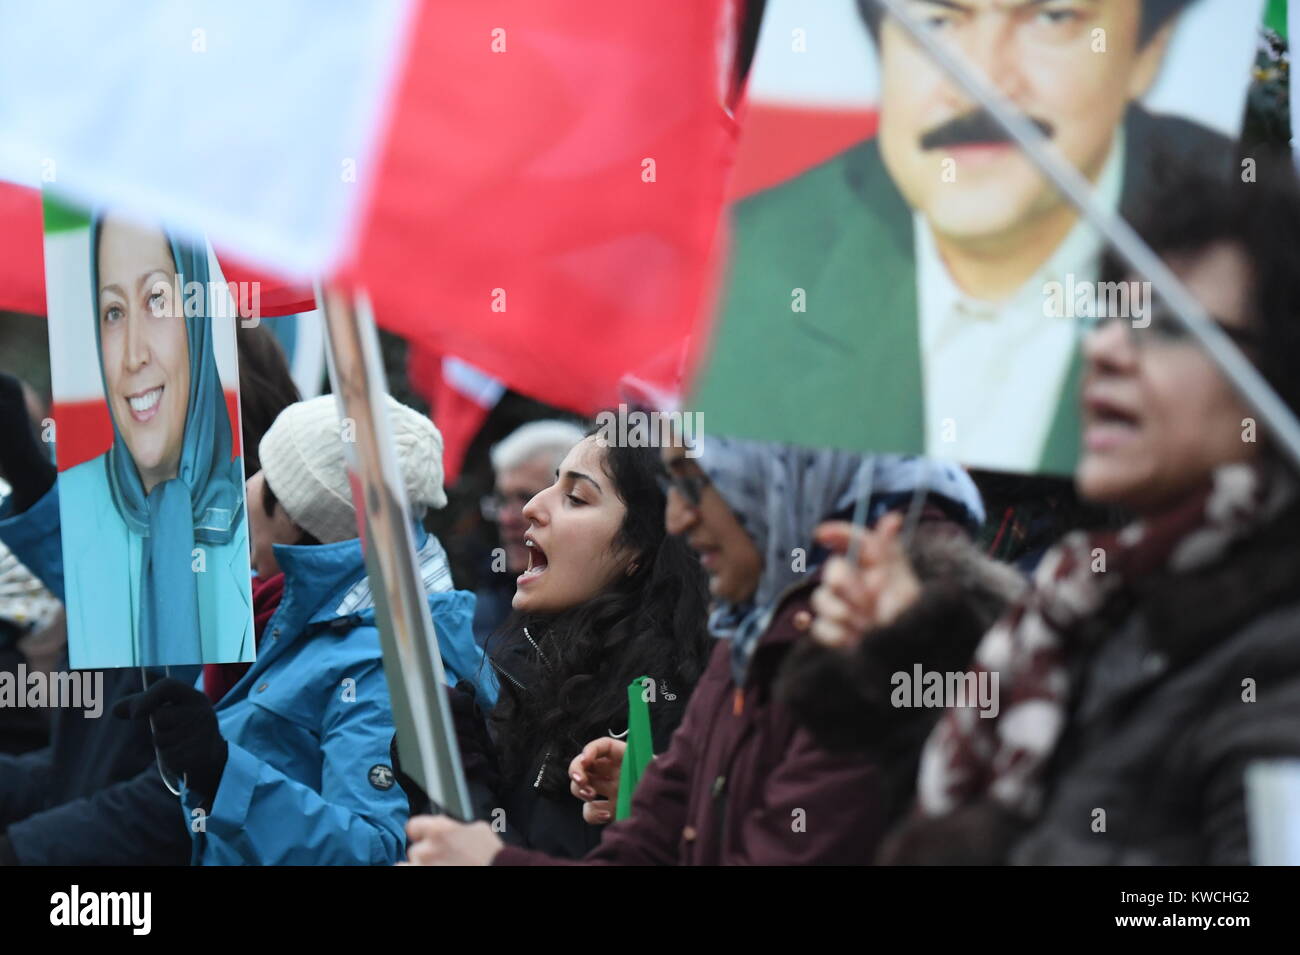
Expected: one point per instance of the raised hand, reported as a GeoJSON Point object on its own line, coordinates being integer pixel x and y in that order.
{"type": "Point", "coordinates": [594, 775]}
{"type": "Point", "coordinates": [854, 600]}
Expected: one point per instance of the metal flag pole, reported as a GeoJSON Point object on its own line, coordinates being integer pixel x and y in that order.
{"type": "Point", "coordinates": [412, 664]}
{"type": "Point", "coordinates": [919, 494]}
{"type": "Point", "coordinates": [170, 779]}
{"type": "Point", "coordinates": [861, 510]}
{"type": "Point", "coordinates": [916, 504]}
{"type": "Point", "coordinates": [911, 519]}
{"type": "Point", "coordinates": [1243, 376]}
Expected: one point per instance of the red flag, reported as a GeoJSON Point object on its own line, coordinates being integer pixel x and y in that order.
{"type": "Point", "coordinates": [459, 402]}
{"type": "Point", "coordinates": [549, 194]}
{"type": "Point", "coordinates": [22, 251]}
{"type": "Point", "coordinates": [546, 200]}
{"type": "Point", "coordinates": [278, 297]}
{"type": "Point", "coordinates": [780, 141]}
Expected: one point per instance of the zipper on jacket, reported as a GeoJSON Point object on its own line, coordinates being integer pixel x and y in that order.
{"type": "Point", "coordinates": [505, 673]}
{"type": "Point", "coordinates": [541, 770]}
{"type": "Point", "coordinates": [540, 655]}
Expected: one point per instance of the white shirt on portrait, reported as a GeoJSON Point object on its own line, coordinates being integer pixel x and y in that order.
{"type": "Point", "coordinates": [993, 371]}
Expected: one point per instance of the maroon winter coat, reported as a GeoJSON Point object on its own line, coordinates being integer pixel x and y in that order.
{"type": "Point", "coordinates": [741, 783]}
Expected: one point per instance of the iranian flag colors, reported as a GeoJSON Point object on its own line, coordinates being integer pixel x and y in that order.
{"type": "Point", "coordinates": [534, 187]}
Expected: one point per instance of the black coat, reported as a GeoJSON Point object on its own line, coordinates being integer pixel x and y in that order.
{"type": "Point", "coordinates": [94, 796]}
{"type": "Point", "coordinates": [533, 818]}
{"type": "Point", "coordinates": [1161, 726]}
{"type": "Point", "coordinates": [1163, 722]}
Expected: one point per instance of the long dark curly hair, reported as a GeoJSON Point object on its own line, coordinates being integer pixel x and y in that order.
{"type": "Point", "coordinates": [651, 623]}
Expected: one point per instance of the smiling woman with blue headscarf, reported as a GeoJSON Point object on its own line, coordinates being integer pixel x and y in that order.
{"type": "Point", "coordinates": [155, 545]}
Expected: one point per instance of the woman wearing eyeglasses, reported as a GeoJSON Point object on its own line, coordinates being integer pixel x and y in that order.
{"type": "Point", "coordinates": [1149, 669]}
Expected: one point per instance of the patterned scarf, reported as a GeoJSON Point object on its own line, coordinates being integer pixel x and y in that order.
{"type": "Point", "coordinates": [969, 757]}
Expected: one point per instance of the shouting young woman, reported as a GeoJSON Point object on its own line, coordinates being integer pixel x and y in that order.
{"type": "Point", "coordinates": [608, 597]}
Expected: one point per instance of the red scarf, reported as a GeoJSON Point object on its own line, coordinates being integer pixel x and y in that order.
{"type": "Point", "coordinates": [218, 678]}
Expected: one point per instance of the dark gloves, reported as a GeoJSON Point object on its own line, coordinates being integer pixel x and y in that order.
{"type": "Point", "coordinates": [185, 732]}
{"type": "Point", "coordinates": [24, 461]}
{"type": "Point", "coordinates": [477, 754]}
{"type": "Point", "coordinates": [417, 800]}
{"type": "Point", "coordinates": [7, 854]}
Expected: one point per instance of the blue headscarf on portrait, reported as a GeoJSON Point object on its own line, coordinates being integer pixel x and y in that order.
{"type": "Point", "coordinates": [202, 504]}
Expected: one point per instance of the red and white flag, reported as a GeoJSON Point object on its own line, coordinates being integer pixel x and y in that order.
{"type": "Point", "coordinates": [531, 185]}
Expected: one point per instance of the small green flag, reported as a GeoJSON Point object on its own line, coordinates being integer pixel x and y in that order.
{"type": "Point", "coordinates": [640, 745]}
{"type": "Point", "coordinates": [1275, 16]}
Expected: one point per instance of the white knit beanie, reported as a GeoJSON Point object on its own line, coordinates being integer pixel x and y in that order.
{"type": "Point", "coordinates": [303, 462]}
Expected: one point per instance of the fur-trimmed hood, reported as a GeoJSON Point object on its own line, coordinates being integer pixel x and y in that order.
{"type": "Point", "coordinates": [844, 697]}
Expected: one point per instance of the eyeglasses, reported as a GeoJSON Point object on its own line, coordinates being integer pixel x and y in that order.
{"type": "Point", "coordinates": [1164, 328]}
{"type": "Point", "coordinates": [492, 505]}
{"type": "Point", "coordinates": [690, 486]}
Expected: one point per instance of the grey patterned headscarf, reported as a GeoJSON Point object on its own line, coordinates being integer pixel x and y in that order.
{"type": "Point", "coordinates": [780, 493]}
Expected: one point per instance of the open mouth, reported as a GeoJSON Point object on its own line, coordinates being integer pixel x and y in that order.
{"type": "Point", "coordinates": [537, 562]}
{"type": "Point", "coordinates": [144, 404]}
{"type": "Point", "coordinates": [1107, 421]}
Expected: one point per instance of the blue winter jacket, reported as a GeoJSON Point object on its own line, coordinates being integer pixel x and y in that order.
{"type": "Point", "coordinates": [300, 725]}
{"type": "Point", "coordinates": [308, 780]}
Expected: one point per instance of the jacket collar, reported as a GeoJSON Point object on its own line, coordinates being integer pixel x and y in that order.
{"type": "Point", "coordinates": [435, 575]}
{"type": "Point", "coordinates": [789, 622]}
{"type": "Point", "coordinates": [516, 659]}
{"type": "Point", "coordinates": [322, 581]}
